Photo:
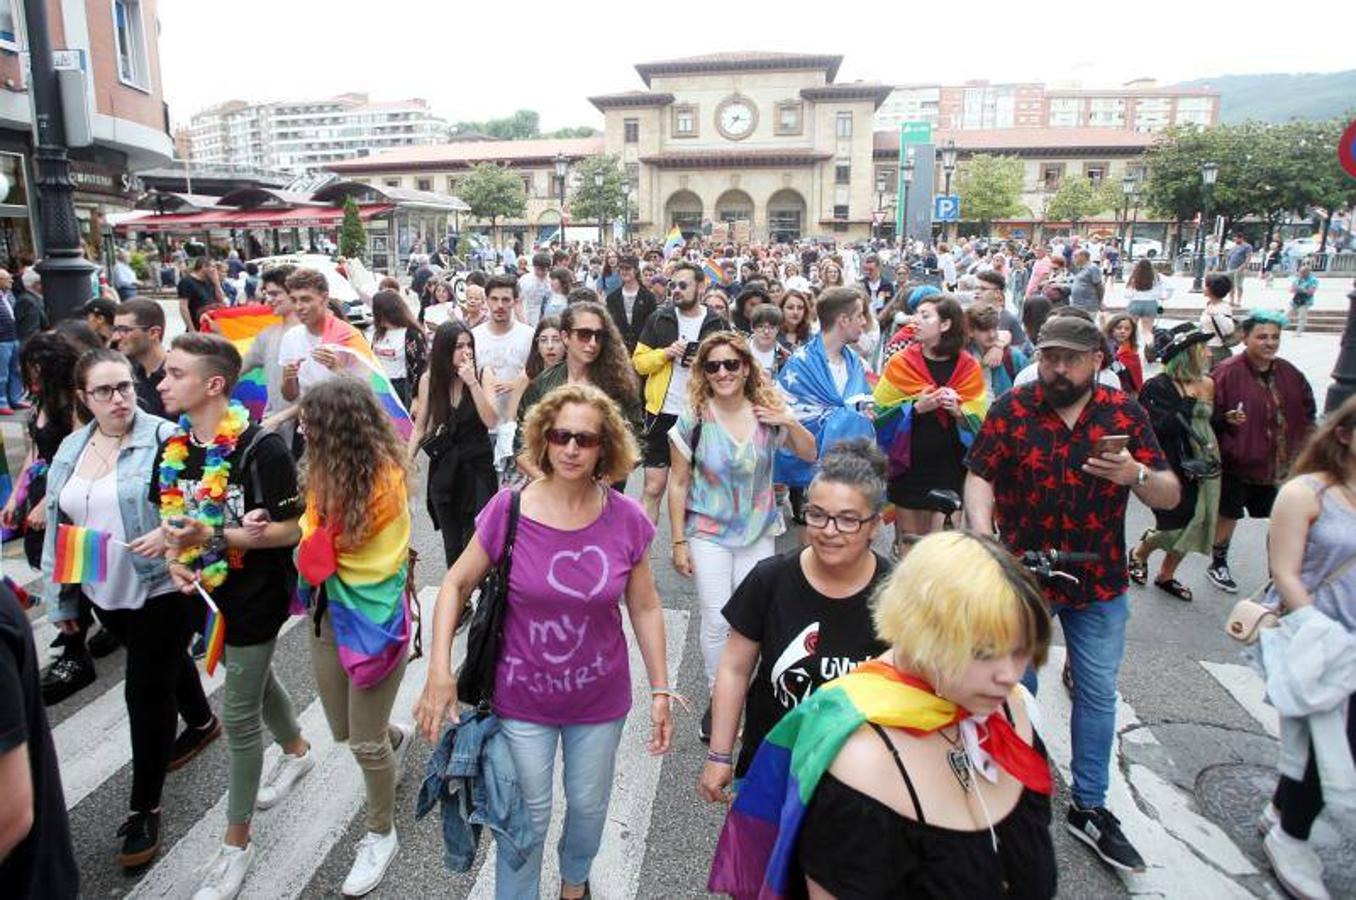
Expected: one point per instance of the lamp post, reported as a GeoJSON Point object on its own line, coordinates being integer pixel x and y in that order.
{"type": "Point", "coordinates": [562, 166]}
{"type": "Point", "coordinates": [626, 210]}
{"type": "Point", "coordinates": [948, 167]}
{"type": "Point", "coordinates": [598, 183]}
{"type": "Point", "coordinates": [1209, 172]}
{"type": "Point", "coordinates": [880, 204]}
{"type": "Point", "coordinates": [908, 182]}
{"type": "Point", "coordinates": [1128, 186]}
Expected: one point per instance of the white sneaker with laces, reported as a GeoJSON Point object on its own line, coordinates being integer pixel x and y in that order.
{"type": "Point", "coordinates": [406, 733]}
{"type": "Point", "coordinates": [287, 771]}
{"type": "Point", "coordinates": [225, 873]}
{"type": "Point", "coordinates": [375, 852]}
{"type": "Point", "coordinates": [1297, 866]}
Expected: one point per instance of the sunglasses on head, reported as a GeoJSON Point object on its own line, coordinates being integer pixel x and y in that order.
{"type": "Point", "coordinates": [712, 366]}
{"type": "Point", "coordinates": [585, 440]}
{"type": "Point", "coordinates": [589, 335]}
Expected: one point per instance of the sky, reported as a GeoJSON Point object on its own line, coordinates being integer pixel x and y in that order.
{"type": "Point", "coordinates": [475, 61]}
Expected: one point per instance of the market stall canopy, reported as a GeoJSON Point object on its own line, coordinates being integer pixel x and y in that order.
{"type": "Point", "coordinates": [174, 201]}
{"type": "Point", "coordinates": [338, 191]}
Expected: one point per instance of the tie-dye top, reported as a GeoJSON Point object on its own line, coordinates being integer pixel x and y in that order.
{"type": "Point", "coordinates": [730, 499]}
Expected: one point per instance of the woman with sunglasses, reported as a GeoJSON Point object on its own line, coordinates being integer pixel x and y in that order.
{"type": "Point", "coordinates": [579, 551]}
{"type": "Point", "coordinates": [802, 618]}
{"type": "Point", "coordinates": [722, 507]}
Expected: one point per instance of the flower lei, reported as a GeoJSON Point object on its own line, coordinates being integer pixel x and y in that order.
{"type": "Point", "coordinates": [209, 500]}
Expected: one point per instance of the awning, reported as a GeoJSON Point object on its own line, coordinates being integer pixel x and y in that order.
{"type": "Point", "coordinates": [261, 217]}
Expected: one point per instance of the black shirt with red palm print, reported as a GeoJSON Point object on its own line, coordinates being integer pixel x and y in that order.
{"type": "Point", "coordinates": [1042, 497]}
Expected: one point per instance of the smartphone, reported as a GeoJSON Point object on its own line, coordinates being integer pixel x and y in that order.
{"type": "Point", "coordinates": [689, 352]}
{"type": "Point", "coordinates": [1110, 443]}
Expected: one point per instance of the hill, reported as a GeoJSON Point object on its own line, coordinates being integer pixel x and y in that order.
{"type": "Point", "coordinates": [1282, 97]}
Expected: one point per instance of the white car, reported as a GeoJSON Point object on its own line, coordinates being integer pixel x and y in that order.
{"type": "Point", "coordinates": [1145, 247]}
{"type": "Point", "coordinates": [1299, 248]}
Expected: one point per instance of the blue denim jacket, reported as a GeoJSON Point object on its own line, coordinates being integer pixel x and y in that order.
{"type": "Point", "coordinates": [139, 515]}
{"type": "Point", "coordinates": [471, 774]}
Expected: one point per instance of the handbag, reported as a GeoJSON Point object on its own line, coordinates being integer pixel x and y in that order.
{"type": "Point", "coordinates": [439, 443]}
{"type": "Point", "coordinates": [1249, 615]}
{"type": "Point", "coordinates": [475, 678]}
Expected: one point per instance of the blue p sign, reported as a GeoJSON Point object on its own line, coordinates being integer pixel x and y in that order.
{"type": "Point", "coordinates": [946, 208]}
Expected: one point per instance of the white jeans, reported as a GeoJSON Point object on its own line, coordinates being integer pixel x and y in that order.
{"type": "Point", "coordinates": [718, 571]}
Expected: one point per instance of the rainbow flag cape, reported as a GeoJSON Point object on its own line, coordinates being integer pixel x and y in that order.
{"type": "Point", "coordinates": [673, 241]}
{"type": "Point", "coordinates": [714, 273]}
{"type": "Point", "coordinates": [242, 324]}
{"type": "Point", "coordinates": [213, 633]}
{"type": "Point", "coordinates": [385, 391]}
{"type": "Point", "coordinates": [364, 586]}
{"type": "Point", "coordinates": [903, 382]}
{"type": "Point", "coordinates": [81, 555]}
{"type": "Point", "coordinates": [757, 845]}
{"type": "Point", "coordinates": [251, 392]}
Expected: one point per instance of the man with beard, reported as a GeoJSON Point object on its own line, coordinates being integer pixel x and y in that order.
{"type": "Point", "coordinates": [1042, 474]}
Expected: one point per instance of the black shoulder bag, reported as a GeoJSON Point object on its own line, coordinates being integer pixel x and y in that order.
{"type": "Point", "coordinates": [475, 679]}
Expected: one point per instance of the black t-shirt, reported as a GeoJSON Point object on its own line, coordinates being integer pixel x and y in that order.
{"type": "Point", "coordinates": [937, 451]}
{"type": "Point", "coordinates": [43, 863]}
{"type": "Point", "coordinates": [806, 639]}
{"type": "Point", "coordinates": [148, 397]}
{"type": "Point", "coordinates": [198, 294]}
{"type": "Point", "coordinates": [255, 597]}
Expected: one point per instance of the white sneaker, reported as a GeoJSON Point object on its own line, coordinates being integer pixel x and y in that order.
{"type": "Point", "coordinates": [287, 771]}
{"type": "Point", "coordinates": [1297, 866]}
{"type": "Point", "coordinates": [375, 852]}
{"type": "Point", "coordinates": [1270, 818]}
{"type": "Point", "coordinates": [406, 734]}
{"type": "Point", "coordinates": [225, 873]}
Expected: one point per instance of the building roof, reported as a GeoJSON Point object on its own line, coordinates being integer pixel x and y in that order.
{"type": "Point", "coordinates": [631, 99]}
{"type": "Point", "coordinates": [464, 154]}
{"type": "Point", "coordinates": [337, 191]}
{"type": "Point", "coordinates": [722, 159]}
{"type": "Point", "coordinates": [741, 61]}
{"type": "Point", "coordinates": [856, 90]}
{"type": "Point", "coordinates": [1028, 140]}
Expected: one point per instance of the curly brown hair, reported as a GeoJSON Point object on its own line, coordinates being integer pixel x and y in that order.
{"type": "Point", "coordinates": [620, 452]}
{"type": "Point", "coordinates": [758, 388]}
{"type": "Point", "coordinates": [611, 370]}
{"type": "Point", "coordinates": [351, 447]}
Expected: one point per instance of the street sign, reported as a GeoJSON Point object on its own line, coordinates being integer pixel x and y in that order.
{"type": "Point", "coordinates": [1346, 149]}
{"type": "Point", "coordinates": [946, 208]}
{"type": "Point", "coordinates": [915, 132]}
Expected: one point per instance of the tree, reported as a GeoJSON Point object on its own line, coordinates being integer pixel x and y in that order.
{"type": "Point", "coordinates": [1076, 199]}
{"type": "Point", "coordinates": [588, 201]}
{"type": "Point", "coordinates": [577, 131]}
{"type": "Point", "coordinates": [493, 192]}
{"type": "Point", "coordinates": [352, 234]}
{"type": "Point", "coordinates": [990, 187]}
{"type": "Point", "coordinates": [525, 124]}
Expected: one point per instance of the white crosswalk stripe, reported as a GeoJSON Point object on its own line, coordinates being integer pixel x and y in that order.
{"type": "Point", "coordinates": [1246, 686]}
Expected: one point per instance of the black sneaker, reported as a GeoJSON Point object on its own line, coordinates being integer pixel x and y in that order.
{"type": "Point", "coordinates": [1101, 831]}
{"type": "Point", "coordinates": [103, 643]}
{"type": "Point", "coordinates": [704, 729]}
{"type": "Point", "coordinates": [140, 839]}
{"type": "Point", "coordinates": [67, 676]}
{"type": "Point", "coordinates": [1222, 578]}
{"type": "Point", "coordinates": [192, 741]}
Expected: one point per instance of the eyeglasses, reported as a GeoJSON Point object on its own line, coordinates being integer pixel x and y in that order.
{"type": "Point", "coordinates": [104, 392]}
{"type": "Point", "coordinates": [584, 440]}
{"type": "Point", "coordinates": [589, 335]}
{"type": "Point", "coordinates": [126, 329]}
{"type": "Point", "coordinates": [712, 366]}
{"type": "Point", "coordinates": [682, 285]}
{"type": "Point", "coordinates": [845, 524]}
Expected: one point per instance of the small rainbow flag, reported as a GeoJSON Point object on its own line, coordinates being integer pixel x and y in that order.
{"type": "Point", "coordinates": [251, 392]}
{"type": "Point", "coordinates": [714, 272]}
{"type": "Point", "coordinates": [81, 555]}
{"type": "Point", "coordinates": [673, 241]}
{"type": "Point", "coordinates": [213, 632]}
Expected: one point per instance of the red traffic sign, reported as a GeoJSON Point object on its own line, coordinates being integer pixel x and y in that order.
{"type": "Point", "coordinates": [1346, 149]}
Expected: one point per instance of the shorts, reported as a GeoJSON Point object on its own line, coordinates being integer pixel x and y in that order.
{"type": "Point", "coordinates": [655, 453]}
{"type": "Point", "coordinates": [1237, 275]}
{"type": "Point", "coordinates": [1237, 497]}
{"type": "Point", "coordinates": [1143, 309]}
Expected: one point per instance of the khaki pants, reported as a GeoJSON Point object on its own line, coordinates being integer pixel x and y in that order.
{"type": "Point", "coordinates": [363, 718]}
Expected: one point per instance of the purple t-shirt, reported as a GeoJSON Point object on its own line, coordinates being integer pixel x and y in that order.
{"type": "Point", "coordinates": [564, 659]}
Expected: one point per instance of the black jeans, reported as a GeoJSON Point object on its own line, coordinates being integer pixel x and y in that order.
{"type": "Point", "coordinates": [456, 528]}
{"type": "Point", "coordinates": [161, 684]}
{"type": "Point", "coordinates": [1300, 802]}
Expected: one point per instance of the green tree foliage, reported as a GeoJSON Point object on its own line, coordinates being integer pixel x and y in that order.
{"type": "Point", "coordinates": [493, 192]}
{"type": "Point", "coordinates": [587, 200]}
{"type": "Point", "coordinates": [352, 234]}
{"type": "Point", "coordinates": [1075, 200]}
{"type": "Point", "coordinates": [990, 187]}
{"type": "Point", "coordinates": [577, 131]}
{"type": "Point", "coordinates": [525, 124]}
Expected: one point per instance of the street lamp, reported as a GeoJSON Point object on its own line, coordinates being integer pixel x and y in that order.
{"type": "Point", "coordinates": [1209, 172]}
{"type": "Point", "coordinates": [948, 167]}
{"type": "Point", "coordinates": [1128, 186]}
{"type": "Point", "coordinates": [880, 202]}
{"type": "Point", "coordinates": [598, 199]}
{"type": "Point", "coordinates": [562, 166]}
{"type": "Point", "coordinates": [626, 209]}
{"type": "Point", "coordinates": [908, 182]}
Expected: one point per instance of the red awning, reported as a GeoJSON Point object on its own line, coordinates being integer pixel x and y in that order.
{"type": "Point", "coordinates": [262, 217]}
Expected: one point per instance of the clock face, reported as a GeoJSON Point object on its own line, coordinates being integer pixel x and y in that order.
{"type": "Point", "coordinates": [737, 118]}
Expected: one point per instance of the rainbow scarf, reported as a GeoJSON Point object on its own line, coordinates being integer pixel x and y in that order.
{"type": "Point", "coordinates": [365, 585]}
{"type": "Point", "coordinates": [903, 382]}
{"type": "Point", "coordinates": [758, 843]}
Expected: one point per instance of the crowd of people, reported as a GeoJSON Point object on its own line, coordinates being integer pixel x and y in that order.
{"type": "Point", "coordinates": [762, 391]}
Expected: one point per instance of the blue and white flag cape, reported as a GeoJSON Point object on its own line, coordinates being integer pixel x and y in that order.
{"type": "Point", "coordinates": [807, 384]}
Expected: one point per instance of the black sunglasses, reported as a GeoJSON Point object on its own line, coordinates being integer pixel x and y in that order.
{"type": "Point", "coordinates": [712, 366]}
{"type": "Point", "coordinates": [586, 440]}
{"type": "Point", "coordinates": [589, 335]}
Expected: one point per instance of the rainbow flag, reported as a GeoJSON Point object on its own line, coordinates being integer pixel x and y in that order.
{"type": "Point", "coordinates": [20, 593]}
{"type": "Point", "coordinates": [714, 272]}
{"type": "Point", "coordinates": [213, 633]}
{"type": "Point", "coordinates": [242, 324]}
{"type": "Point", "coordinates": [251, 392]}
{"type": "Point", "coordinates": [81, 555]}
{"type": "Point", "coordinates": [385, 391]}
{"type": "Point", "coordinates": [903, 382]}
{"type": "Point", "coordinates": [673, 242]}
{"type": "Point", "coordinates": [755, 853]}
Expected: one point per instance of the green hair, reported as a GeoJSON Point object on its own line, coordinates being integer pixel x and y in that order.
{"type": "Point", "coordinates": [1186, 364]}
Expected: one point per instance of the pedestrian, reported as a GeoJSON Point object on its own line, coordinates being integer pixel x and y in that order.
{"type": "Point", "coordinates": [1217, 318]}
{"type": "Point", "coordinates": [1145, 292]}
{"type": "Point", "coordinates": [796, 325]}
{"type": "Point", "coordinates": [30, 309]}
{"type": "Point", "coordinates": [1123, 337]}
{"type": "Point", "coordinates": [716, 300]}
{"type": "Point", "coordinates": [1270, 263]}
{"type": "Point", "coordinates": [124, 278]}
{"type": "Point", "coordinates": [764, 343]}
{"type": "Point", "coordinates": [1180, 402]}
{"type": "Point", "coordinates": [1264, 410]}
{"type": "Point", "coordinates": [609, 279]}
{"type": "Point", "coordinates": [1311, 547]}
{"type": "Point", "coordinates": [877, 288]}
{"type": "Point", "coordinates": [919, 773]}
{"type": "Point", "coordinates": [502, 345]}
{"type": "Point", "coordinates": [474, 310]}
{"type": "Point", "coordinates": [352, 562]}
{"type": "Point", "coordinates": [534, 290]}
{"type": "Point", "coordinates": [311, 351]}
{"type": "Point", "coordinates": [199, 287]}
{"type": "Point", "coordinates": [548, 348]}
{"type": "Point", "coordinates": [1303, 287]}
{"type": "Point", "coordinates": [630, 303]}
{"type": "Point", "coordinates": [1043, 474]}
{"type": "Point", "coordinates": [139, 333]}
{"type": "Point", "coordinates": [802, 618]}
{"type": "Point", "coordinates": [571, 527]}
{"type": "Point", "coordinates": [1240, 255]}
{"type": "Point", "coordinates": [1087, 287]}
{"type": "Point", "coordinates": [930, 402]}
{"type": "Point", "coordinates": [562, 283]}
{"type": "Point", "coordinates": [264, 353]}
{"type": "Point", "coordinates": [722, 508]}
{"type": "Point", "coordinates": [99, 314]}
{"type": "Point", "coordinates": [238, 548]}
{"type": "Point", "coordinates": [11, 340]}
{"type": "Point", "coordinates": [136, 600]}
{"type": "Point", "coordinates": [398, 343]}
{"type": "Point", "coordinates": [456, 413]}
{"type": "Point", "coordinates": [985, 345]}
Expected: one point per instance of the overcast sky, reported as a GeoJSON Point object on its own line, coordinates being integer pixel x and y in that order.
{"type": "Point", "coordinates": [486, 59]}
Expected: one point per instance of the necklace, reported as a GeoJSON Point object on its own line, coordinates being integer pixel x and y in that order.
{"type": "Point", "coordinates": [958, 760]}
{"type": "Point", "coordinates": [209, 498]}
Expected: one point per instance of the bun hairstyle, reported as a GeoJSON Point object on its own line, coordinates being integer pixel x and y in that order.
{"type": "Point", "coordinates": [857, 463]}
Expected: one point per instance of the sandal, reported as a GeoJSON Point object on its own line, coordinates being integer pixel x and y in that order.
{"type": "Point", "coordinates": [1138, 568]}
{"type": "Point", "coordinates": [1174, 587]}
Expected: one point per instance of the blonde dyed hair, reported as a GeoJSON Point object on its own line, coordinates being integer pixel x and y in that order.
{"type": "Point", "coordinates": [619, 451]}
{"type": "Point", "coordinates": [958, 597]}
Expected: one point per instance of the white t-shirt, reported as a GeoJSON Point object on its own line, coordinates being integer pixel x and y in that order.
{"type": "Point", "coordinates": [839, 371]}
{"type": "Point", "coordinates": [390, 349]}
{"type": "Point", "coordinates": [504, 355]}
{"type": "Point", "coordinates": [95, 505]}
{"type": "Point", "coordinates": [765, 358]}
{"type": "Point", "coordinates": [535, 293]}
{"type": "Point", "coordinates": [689, 330]}
{"type": "Point", "coordinates": [297, 344]}
{"type": "Point", "coordinates": [1105, 377]}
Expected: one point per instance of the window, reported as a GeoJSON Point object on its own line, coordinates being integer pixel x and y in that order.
{"type": "Point", "coordinates": [1096, 173]}
{"type": "Point", "coordinates": [685, 120]}
{"type": "Point", "coordinates": [527, 184]}
{"type": "Point", "coordinates": [391, 182]}
{"type": "Point", "coordinates": [131, 42]}
{"type": "Point", "coordinates": [631, 130]}
{"type": "Point", "coordinates": [840, 211]}
{"type": "Point", "coordinates": [423, 184]}
{"type": "Point", "coordinates": [844, 125]}
{"type": "Point", "coordinates": [9, 25]}
{"type": "Point", "coordinates": [1065, 111]}
{"type": "Point", "coordinates": [842, 173]}
{"type": "Point", "coordinates": [1051, 173]}
{"type": "Point", "coordinates": [788, 117]}
{"type": "Point", "coordinates": [451, 184]}
{"type": "Point", "coordinates": [633, 174]}
{"type": "Point", "coordinates": [1108, 112]}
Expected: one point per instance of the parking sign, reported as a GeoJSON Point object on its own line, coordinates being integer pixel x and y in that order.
{"type": "Point", "coordinates": [946, 208]}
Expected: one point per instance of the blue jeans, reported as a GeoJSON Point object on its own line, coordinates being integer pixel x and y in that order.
{"type": "Point", "coordinates": [1094, 639]}
{"type": "Point", "coordinates": [590, 753]}
{"type": "Point", "coordinates": [9, 372]}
